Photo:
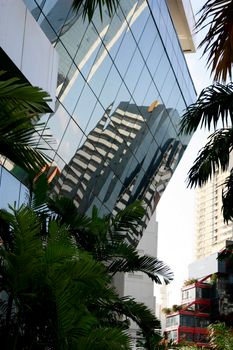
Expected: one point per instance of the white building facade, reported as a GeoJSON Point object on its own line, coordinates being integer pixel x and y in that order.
{"type": "Point", "coordinates": [211, 231]}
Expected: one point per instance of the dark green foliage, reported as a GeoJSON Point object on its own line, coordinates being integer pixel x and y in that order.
{"type": "Point", "coordinates": [176, 307]}
{"type": "Point", "coordinates": [166, 310]}
{"type": "Point", "coordinates": [190, 281]}
{"type": "Point", "coordinates": [214, 104]}
{"type": "Point", "coordinates": [22, 97]}
{"type": "Point", "coordinates": [51, 286]}
{"type": "Point", "coordinates": [20, 106]}
{"type": "Point", "coordinates": [217, 16]}
{"type": "Point", "coordinates": [221, 337]}
{"type": "Point", "coordinates": [60, 296]}
{"type": "Point", "coordinates": [88, 7]}
{"type": "Point", "coordinates": [227, 198]}
{"type": "Point", "coordinates": [105, 239]}
{"type": "Point", "coordinates": [139, 313]}
{"type": "Point", "coordinates": [152, 343]}
{"type": "Point", "coordinates": [56, 266]}
{"type": "Point", "coordinates": [213, 157]}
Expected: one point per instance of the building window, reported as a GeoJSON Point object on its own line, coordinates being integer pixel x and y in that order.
{"type": "Point", "coordinates": [172, 321]}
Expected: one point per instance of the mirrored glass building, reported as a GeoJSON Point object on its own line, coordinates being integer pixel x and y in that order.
{"type": "Point", "coordinates": [121, 85]}
{"type": "Point", "coordinates": [128, 156]}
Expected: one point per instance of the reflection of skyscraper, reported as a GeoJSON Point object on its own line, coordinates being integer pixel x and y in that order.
{"type": "Point", "coordinates": [133, 56]}
{"type": "Point", "coordinates": [119, 153]}
{"type": "Point", "coordinates": [87, 43]}
{"type": "Point", "coordinates": [130, 155]}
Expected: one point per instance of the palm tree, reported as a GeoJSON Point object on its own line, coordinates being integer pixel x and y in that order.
{"type": "Point", "coordinates": [105, 238]}
{"type": "Point", "coordinates": [58, 296]}
{"type": "Point", "coordinates": [88, 7]}
{"type": "Point", "coordinates": [50, 286]}
{"type": "Point", "coordinates": [215, 103]}
{"type": "Point", "coordinates": [217, 15]}
{"type": "Point", "coordinates": [221, 337]}
{"type": "Point", "coordinates": [20, 108]}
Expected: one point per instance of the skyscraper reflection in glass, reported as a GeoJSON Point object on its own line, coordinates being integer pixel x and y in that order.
{"type": "Point", "coordinates": [127, 156]}
{"type": "Point", "coordinates": [110, 148]}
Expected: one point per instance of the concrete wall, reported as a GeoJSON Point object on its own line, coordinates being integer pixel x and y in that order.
{"type": "Point", "coordinates": [138, 285]}
{"type": "Point", "coordinates": [24, 42]}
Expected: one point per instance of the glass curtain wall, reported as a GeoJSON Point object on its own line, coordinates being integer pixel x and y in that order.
{"type": "Point", "coordinates": [110, 147]}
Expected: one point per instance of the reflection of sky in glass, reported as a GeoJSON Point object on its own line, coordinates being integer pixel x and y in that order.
{"type": "Point", "coordinates": [9, 190]}
{"type": "Point", "coordinates": [119, 59]}
{"type": "Point", "coordinates": [70, 140]}
{"type": "Point", "coordinates": [58, 124]}
{"type": "Point", "coordinates": [97, 66]}
{"type": "Point", "coordinates": [138, 149]}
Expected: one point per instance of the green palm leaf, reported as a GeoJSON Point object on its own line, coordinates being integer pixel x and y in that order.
{"type": "Point", "coordinates": [67, 212]}
{"type": "Point", "coordinates": [20, 136]}
{"type": "Point", "coordinates": [127, 220]}
{"type": "Point", "coordinates": [127, 259]}
{"type": "Point", "coordinates": [20, 141]}
{"type": "Point", "coordinates": [104, 239]}
{"type": "Point", "coordinates": [217, 16]}
{"type": "Point", "coordinates": [126, 309]}
{"type": "Point", "coordinates": [88, 7]}
{"type": "Point", "coordinates": [105, 339]}
{"type": "Point", "coordinates": [23, 263]}
{"type": "Point", "coordinates": [53, 284]}
{"type": "Point", "coordinates": [22, 97]}
{"type": "Point", "coordinates": [138, 313]}
{"type": "Point", "coordinates": [227, 198]}
{"type": "Point", "coordinates": [221, 337]}
{"type": "Point", "coordinates": [215, 103]}
{"type": "Point", "coordinates": [213, 157]}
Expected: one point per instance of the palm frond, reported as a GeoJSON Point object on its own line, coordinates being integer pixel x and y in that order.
{"type": "Point", "coordinates": [38, 193]}
{"type": "Point", "coordinates": [20, 136]}
{"type": "Point", "coordinates": [99, 226]}
{"type": "Point", "coordinates": [76, 279]}
{"type": "Point", "coordinates": [88, 7]}
{"type": "Point", "coordinates": [227, 198]}
{"type": "Point", "coordinates": [138, 313]}
{"type": "Point", "coordinates": [127, 309]}
{"type": "Point", "coordinates": [20, 140]}
{"type": "Point", "coordinates": [59, 247]}
{"type": "Point", "coordinates": [6, 233]}
{"type": "Point", "coordinates": [29, 159]}
{"type": "Point", "coordinates": [104, 238]}
{"type": "Point", "coordinates": [214, 103]}
{"type": "Point", "coordinates": [150, 342]}
{"type": "Point", "coordinates": [127, 220]}
{"type": "Point", "coordinates": [127, 259]}
{"type": "Point", "coordinates": [72, 322]}
{"type": "Point", "coordinates": [23, 261]}
{"type": "Point", "coordinates": [52, 286]}
{"type": "Point", "coordinates": [220, 336]}
{"type": "Point", "coordinates": [217, 15]}
{"type": "Point", "coordinates": [67, 212]}
{"type": "Point", "coordinates": [105, 339]}
{"type": "Point", "coordinates": [22, 96]}
{"type": "Point", "coordinates": [213, 157]}
{"type": "Point", "coordinates": [111, 249]}
{"type": "Point", "coordinates": [79, 266]}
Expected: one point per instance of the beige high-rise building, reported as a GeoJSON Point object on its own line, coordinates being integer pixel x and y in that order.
{"type": "Point", "coordinates": [211, 231]}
